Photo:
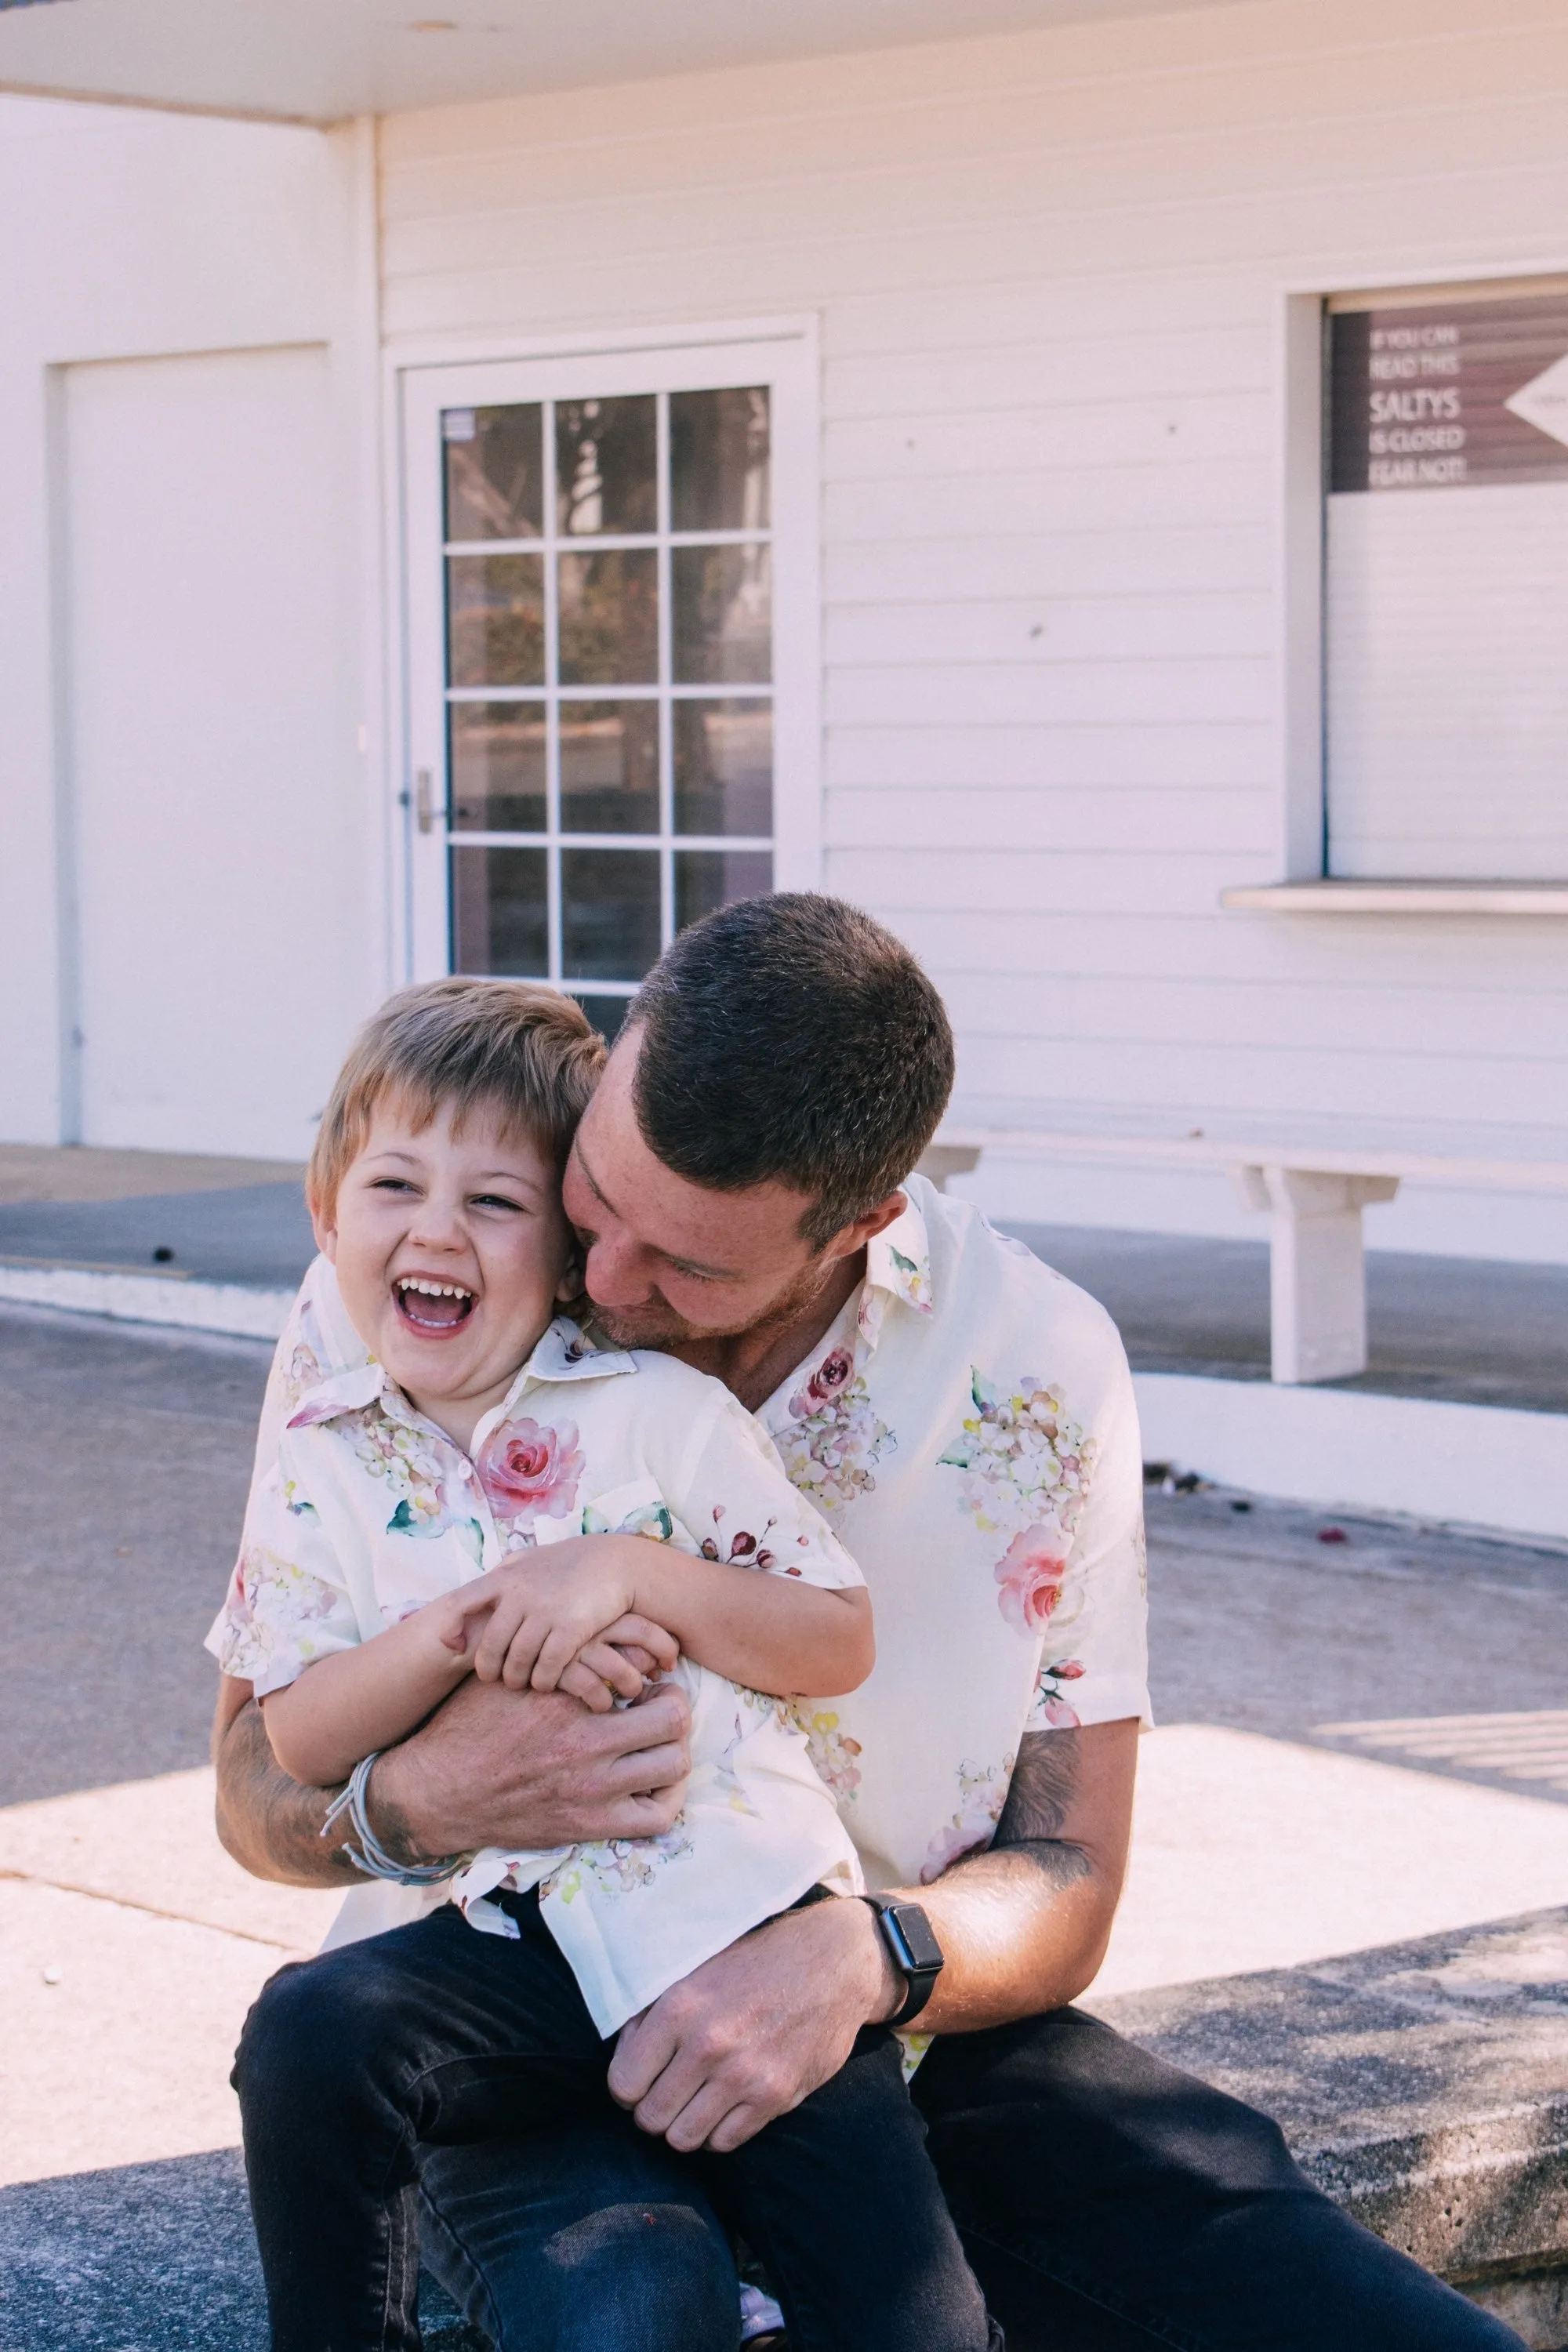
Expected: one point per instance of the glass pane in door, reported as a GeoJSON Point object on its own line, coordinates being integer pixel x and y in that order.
{"type": "Point", "coordinates": [494, 472]}
{"type": "Point", "coordinates": [609, 767]}
{"type": "Point", "coordinates": [497, 762]}
{"type": "Point", "coordinates": [609, 913]}
{"type": "Point", "coordinates": [718, 460]}
{"type": "Point", "coordinates": [606, 465]}
{"type": "Point", "coordinates": [723, 600]}
{"type": "Point", "coordinates": [724, 767]}
{"type": "Point", "coordinates": [501, 920]}
{"type": "Point", "coordinates": [495, 620]}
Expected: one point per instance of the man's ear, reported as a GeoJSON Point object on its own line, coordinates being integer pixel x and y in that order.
{"type": "Point", "coordinates": [850, 1238]}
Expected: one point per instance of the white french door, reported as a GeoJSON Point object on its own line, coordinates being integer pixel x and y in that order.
{"type": "Point", "coordinates": [612, 659]}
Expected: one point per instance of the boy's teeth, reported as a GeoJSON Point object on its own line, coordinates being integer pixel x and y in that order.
{"type": "Point", "coordinates": [434, 1290]}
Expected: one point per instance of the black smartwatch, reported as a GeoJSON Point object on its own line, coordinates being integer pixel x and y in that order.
{"type": "Point", "coordinates": [913, 1949]}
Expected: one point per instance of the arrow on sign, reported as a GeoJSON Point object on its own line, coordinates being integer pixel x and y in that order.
{"type": "Point", "coordinates": [1543, 401]}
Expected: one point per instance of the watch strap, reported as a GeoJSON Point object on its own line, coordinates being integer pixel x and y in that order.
{"type": "Point", "coordinates": [919, 1977]}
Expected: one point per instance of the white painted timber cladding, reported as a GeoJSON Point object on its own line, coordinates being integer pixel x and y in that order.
{"type": "Point", "coordinates": [1051, 272]}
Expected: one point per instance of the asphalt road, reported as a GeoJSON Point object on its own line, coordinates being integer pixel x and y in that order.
{"type": "Point", "coordinates": [124, 1465]}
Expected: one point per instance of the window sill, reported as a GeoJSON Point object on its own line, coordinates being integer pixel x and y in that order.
{"type": "Point", "coordinates": [1327, 897]}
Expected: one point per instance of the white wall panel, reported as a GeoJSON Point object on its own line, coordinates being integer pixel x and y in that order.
{"type": "Point", "coordinates": [1108, 755]}
{"type": "Point", "coordinates": [206, 715]}
{"type": "Point", "coordinates": [127, 236]}
{"type": "Point", "coordinates": [1051, 274]}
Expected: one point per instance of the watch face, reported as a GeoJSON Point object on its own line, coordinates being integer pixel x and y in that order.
{"type": "Point", "coordinates": [920, 1943]}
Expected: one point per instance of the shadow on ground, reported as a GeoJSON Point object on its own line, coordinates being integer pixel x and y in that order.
{"type": "Point", "coordinates": [148, 2258]}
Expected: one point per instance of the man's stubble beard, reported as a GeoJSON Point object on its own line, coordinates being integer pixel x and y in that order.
{"type": "Point", "coordinates": [658, 1326]}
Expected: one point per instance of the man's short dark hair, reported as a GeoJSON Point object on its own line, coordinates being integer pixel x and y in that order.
{"type": "Point", "coordinates": [792, 1040]}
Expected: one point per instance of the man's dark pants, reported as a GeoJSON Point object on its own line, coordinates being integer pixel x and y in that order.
{"type": "Point", "coordinates": [1108, 2204]}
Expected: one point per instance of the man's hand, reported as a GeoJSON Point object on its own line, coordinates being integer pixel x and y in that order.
{"type": "Point", "coordinates": [1023, 1927]}
{"type": "Point", "coordinates": [500, 1766]}
{"type": "Point", "coordinates": [491, 1767]}
{"type": "Point", "coordinates": [755, 2031]}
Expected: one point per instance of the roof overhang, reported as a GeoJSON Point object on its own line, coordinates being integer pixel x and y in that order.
{"type": "Point", "coordinates": [323, 61]}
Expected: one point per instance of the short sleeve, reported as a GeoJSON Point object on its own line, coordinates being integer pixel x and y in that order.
{"type": "Point", "coordinates": [1094, 1662]}
{"type": "Point", "coordinates": [731, 1493]}
{"type": "Point", "coordinates": [286, 1604]}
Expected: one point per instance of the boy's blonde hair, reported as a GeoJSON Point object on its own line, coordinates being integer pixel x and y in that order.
{"type": "Point", "coordinates": [529, 1054]}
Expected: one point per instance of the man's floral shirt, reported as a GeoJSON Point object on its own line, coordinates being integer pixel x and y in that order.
{"type": "Point", "coordinates": [362, 1510]}
{"type": "Point", "coordinates": [968, 1428]}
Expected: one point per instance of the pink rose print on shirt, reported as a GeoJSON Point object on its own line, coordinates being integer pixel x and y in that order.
{"type": "Point", "coordinates": [530, 1469]}
{"type": "Point", "coordinates": [832, 1376]}
{"type": "Point", "coordinates": [1030, 1574]}
{"type": "Point", "coordinates": [1059, 1715]}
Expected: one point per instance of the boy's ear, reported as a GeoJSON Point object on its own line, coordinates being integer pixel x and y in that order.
{"type": "Point", "coordinates": [326, 1235]}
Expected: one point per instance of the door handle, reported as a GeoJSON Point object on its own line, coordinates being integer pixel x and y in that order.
{"type": "Point", "coordinates": [425, 808]}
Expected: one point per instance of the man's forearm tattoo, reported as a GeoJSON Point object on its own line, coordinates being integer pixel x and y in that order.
{"type": "Point", "coordinates": [270, 1824]}
{"type": "Point", "coordinates": [1039, 1799]}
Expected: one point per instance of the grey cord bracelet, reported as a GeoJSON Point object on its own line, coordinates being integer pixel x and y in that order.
{"type": "Point", "coordinates": [373, 1857]}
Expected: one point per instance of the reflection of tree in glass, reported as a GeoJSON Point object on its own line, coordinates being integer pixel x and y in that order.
{"type": "Point", "coordinates": [609, 913]}
{"type": "Point", "coordinates": [723, 614]}
{"type": "Point", "coordinates": [609, 767]}
{"type": "Point", "coordinates": [496, 619]}
{"type": "Point", "coordinates": [497, 767]}
{"type": "Point", "coordinates": [609, 618]}
{"type": "Point", "coordinates": [605, 459]}
{"type": "Point", "coordinates": [718, 459]}
{"type": "Point", "coordinates": [724, 767]}
{"type": "Point", "coordinates": [494, 472]}
{"type": "Point", "coordinates": [706, 878]}
{"type": "Point", "coordinates": [500, 912]}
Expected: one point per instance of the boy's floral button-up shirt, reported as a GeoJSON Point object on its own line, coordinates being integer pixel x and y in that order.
{"type": "Point", "coordinates": [968, 1428]}
{"type": "Point", "coordinates": [362, 1511]}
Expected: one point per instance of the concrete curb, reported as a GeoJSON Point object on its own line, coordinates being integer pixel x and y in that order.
{"type": "Point", "coordinates": [1421, 2085]}
{"type": "Point", "coordinates": [1348, 1449]}
{"type": "Point", "coordinates": [229, 1308]}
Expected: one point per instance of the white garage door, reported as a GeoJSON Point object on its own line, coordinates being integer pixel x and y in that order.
{"type": "Point", "coordinates": [202, 750]}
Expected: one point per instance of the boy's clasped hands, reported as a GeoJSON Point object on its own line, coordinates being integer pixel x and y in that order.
{"type": "Point", "coordinates": [560, 1618]}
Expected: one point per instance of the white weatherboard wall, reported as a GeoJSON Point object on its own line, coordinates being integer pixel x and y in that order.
{"type": "Point", "coordinates": [195, 906]}
{"type": "Point", "coordinates": [1051, 272]}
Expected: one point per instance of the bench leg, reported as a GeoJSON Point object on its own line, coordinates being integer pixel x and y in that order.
{"type": "Point", "coordinates": [1317, 1272]}
{"type": "Point", "coordinates": [944, 1160]}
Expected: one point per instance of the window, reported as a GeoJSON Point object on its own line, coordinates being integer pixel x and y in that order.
{"type": "Point", "coordinates": [1446, 583]}
{"type": "Point", "coordinates": [604, 766]}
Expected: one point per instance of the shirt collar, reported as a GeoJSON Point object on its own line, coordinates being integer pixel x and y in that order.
{"type": "Point", "coordinates": [564, 1352]}
{"type": "Point", "coordinates": [898, 1259]}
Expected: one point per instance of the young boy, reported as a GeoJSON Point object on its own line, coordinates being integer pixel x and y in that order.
{"type": "Point", "coordinates": [473, 1491]}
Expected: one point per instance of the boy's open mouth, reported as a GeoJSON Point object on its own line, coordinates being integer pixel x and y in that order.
{"type": "Point", "coordinates": [432, 1306]}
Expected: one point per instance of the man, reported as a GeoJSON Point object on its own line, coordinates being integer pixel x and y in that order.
{"type": "Point", "coordinates": [964, 1418]}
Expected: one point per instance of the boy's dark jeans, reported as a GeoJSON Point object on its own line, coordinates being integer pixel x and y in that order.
{"type": "Point", "coordinates": [354, 2066]}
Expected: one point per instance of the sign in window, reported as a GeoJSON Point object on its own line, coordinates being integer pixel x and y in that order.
{"type": "Point", "coordinates": [1446, 584]}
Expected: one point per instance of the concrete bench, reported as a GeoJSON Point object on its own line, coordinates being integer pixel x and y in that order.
{"type": "Point", "coordinates": [1314, 1194]}
{"type": "Point", "coordinates": [1423, 2085]}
